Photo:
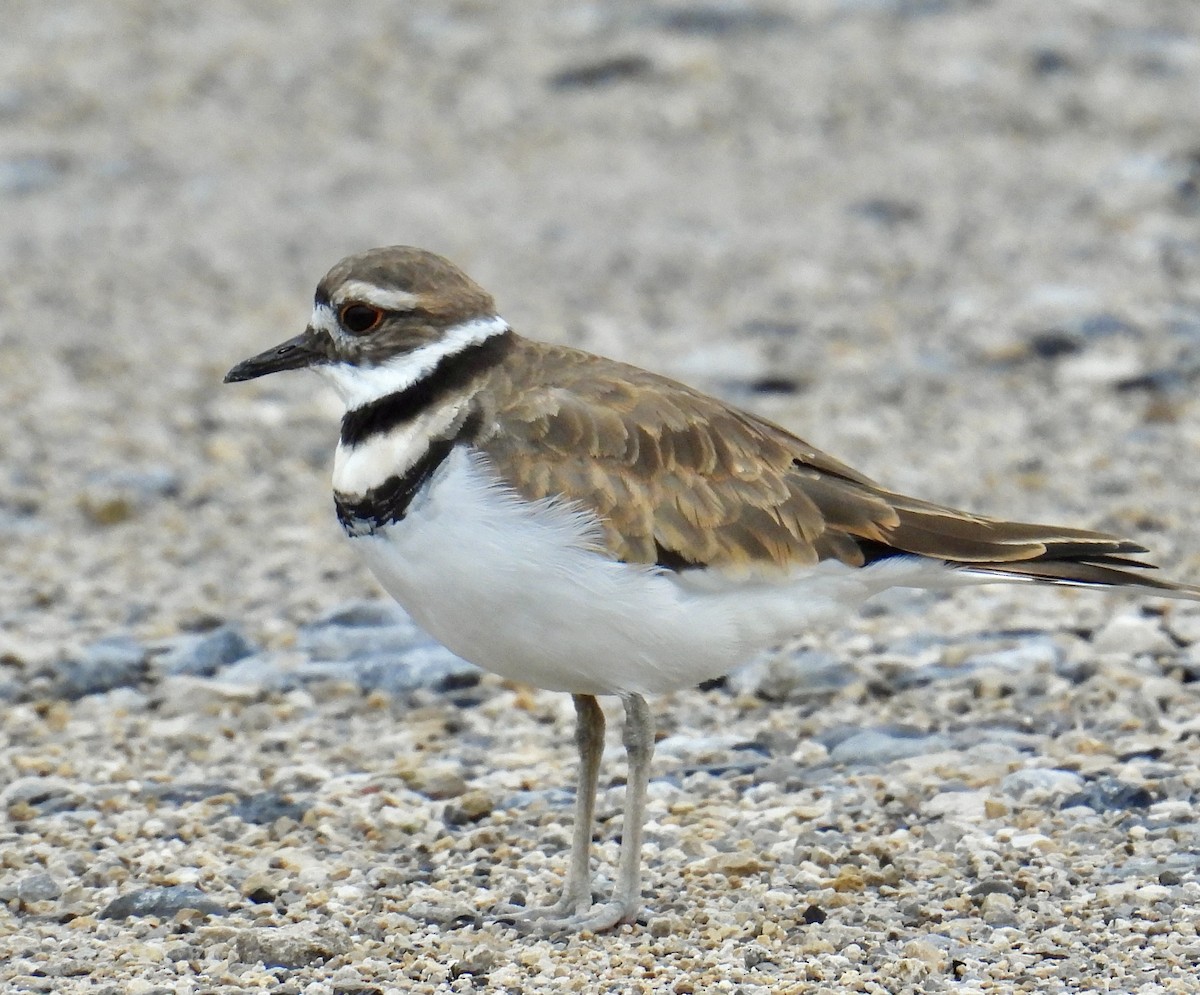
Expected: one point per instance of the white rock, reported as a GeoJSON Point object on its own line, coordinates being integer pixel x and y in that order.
{"type": "Point", "coordinates": [1033, 841]}
{"type": "Point", "coordinates": [1132, 634]}
{"type": "Point", "coordinates": [1037, 783]}
{"type": "Point", "coordinates": [964, 806]}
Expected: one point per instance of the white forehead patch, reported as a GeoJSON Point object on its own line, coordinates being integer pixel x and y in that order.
{"type": "Point", "coordinates": [324, 320]}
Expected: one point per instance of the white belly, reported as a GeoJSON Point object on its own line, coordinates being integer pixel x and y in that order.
{"type": "Point", "coordinates": [522, 589]}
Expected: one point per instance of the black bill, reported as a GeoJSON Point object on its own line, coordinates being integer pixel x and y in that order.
{"type": "Point", "coordinates": [294, 354]}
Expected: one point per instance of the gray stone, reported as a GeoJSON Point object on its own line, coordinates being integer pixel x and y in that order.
{"type": "Point", "coordinates": [399, 670]}
{"type": "Point", "coordinates": [112, 662]}
{"type": "Point", "coordinates": [1041, 653]}
{"type": "Point", "coordinates": [262, 670]}
{"type": "Point", "coordinates": [162, 903]}
{"type": "Point", "coordinates": [721, 19]}
{"type": "Point", "coordinates": [554, 798]}
{"type": "Point", "coordinates": [362, 614]}
{"type": "Point", "coordinates": [38, 887]}
{"type": "Point", "coordinates": [173, 793]}
{"type": "Point", "coordinates": [900, 601]}
{"type": "Point", "coordinates": [151, 481]}
{"type": "Point", "coordinates": [353, 642]}
{"type": "Point", "coordinates": [1184, 626]}
{"type": "Point", "coordinates": [378, 647]}
{"type": "Point", "coordinates": [26, 174]}
{"type": "Point", "coordinates": [114, 496]}
{"type": "Point", "coordinates": [601, 72]}
{"type": "Point", "coordinates": [205, 655]}
{"type": "Point", "coordinates": [1132, 634]}
{"type": "Point", "coordinates": [14, 102]}
{"type": "Point", "coordinates": [1110, 795]}
{"type": "Point", "coordinates": [47, 794]}
{"type": "Point", "coordinates": [265, 808]}
{"type": "Point", "coordinates": [21, 519]}
{"type": "Point", "coordinates": [477, 964]}
{"type": "Point", "coordinates": [1188, 661]}
{"type": "Point", "coordinates": [1039, 783]}
{"type": "Point", "coordinates": [423, 667]}
{"type": "Point", "coordinates": [291, 947]}
{"type": "Point", "coordinates": [999, 909]}
{"type": "Point", "coordinates": [907, 678]}
{"type": "Point", "coordinates": [690, 747]}
{"type": "Point", "coordinates": [875, 746]}
{"type": "Point", "coordinates": [791, 677]}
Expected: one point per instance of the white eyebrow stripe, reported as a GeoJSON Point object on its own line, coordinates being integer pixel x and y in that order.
{"type": "Point", "coordinates": [380, 297]}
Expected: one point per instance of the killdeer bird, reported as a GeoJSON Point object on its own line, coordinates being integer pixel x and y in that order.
{"type": "Point", "coordinates": [585, 526]}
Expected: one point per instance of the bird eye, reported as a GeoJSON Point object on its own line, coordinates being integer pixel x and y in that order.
{"type": "Point", "coordinates": [359, 318]}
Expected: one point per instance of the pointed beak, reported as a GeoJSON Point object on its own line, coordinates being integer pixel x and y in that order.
{"type": "Point", "coordinates": [294, 354]}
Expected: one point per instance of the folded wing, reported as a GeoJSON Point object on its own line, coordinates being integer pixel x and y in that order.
{"type": "Point", "coordinates": [680, 480]}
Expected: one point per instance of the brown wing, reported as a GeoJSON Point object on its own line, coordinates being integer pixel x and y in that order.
{"type": "Point", "coordinates": [680, 479]}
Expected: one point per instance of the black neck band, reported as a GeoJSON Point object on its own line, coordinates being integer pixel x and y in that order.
{"type": "Point", "coordinates": [451, 374]}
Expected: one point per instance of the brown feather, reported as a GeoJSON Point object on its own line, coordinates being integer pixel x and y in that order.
{"type": "Point", "coordinates": [680, 479]}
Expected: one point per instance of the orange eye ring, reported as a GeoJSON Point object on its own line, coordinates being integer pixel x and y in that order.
{"type": "Point", "coordinates": [358, 319]}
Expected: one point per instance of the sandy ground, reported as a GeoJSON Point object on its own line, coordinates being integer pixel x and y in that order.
{"type": "Point", "coordinates": [955, 243]}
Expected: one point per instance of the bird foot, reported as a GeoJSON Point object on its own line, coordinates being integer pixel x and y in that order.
{"type": "Point", "coordinates": [569, 917]}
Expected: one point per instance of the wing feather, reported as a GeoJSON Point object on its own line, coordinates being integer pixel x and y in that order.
{"type": "Point", "coordinates": [680, 479]}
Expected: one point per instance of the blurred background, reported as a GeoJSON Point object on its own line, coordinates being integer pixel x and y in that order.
{"type": "Point", "coordinates": [955, 242]}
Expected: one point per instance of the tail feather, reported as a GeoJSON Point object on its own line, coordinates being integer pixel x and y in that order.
{"type": "Point", "coordinates": [989, 548]}
{"type": "Point", "coordinates": [1100, 571]}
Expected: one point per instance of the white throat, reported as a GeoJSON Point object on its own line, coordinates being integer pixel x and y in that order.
{"type": "Point", "coordinates": [359, 385]}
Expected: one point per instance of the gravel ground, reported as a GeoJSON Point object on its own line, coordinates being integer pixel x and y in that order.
{"type": "Point", "coordinates": [955, 242]}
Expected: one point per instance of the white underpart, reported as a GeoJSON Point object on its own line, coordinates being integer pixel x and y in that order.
{"type": "Point", "coordinates": [523, 589]}
{"type": "Point", "coordinates": [358, 385]}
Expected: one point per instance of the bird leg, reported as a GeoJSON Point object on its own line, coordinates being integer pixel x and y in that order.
{"type": "Point", "coordinates": [626, 902]}
{"type": "Point", "coordinates": [589, 738]}
{"type": "Point", "coordinates": [573, 911]}
{"type": "Point", "coordinates": [577, 891]}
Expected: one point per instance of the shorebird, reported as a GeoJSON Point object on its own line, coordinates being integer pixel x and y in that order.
{"type": "Point", "coordinates": [585, 526]}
